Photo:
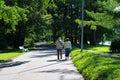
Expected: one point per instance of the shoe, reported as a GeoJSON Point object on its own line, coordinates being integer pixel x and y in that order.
{"type": "Point", "coordinates": [65, 59]}
{"type": "Point", "coordinates": [58, 60]}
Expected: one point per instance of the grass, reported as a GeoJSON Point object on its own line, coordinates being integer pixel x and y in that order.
{"type": "Point", "coordinates": [99, 48]}
{"type": "Point", "coordinates": [96, 67]}
{"type": "Point", "coordinates": [8, 54]}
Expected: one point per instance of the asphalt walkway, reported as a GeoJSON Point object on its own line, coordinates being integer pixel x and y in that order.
{"type": "Point", "coordinates": [39, 64]}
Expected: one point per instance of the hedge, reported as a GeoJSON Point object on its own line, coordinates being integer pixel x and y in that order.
{"type": "Point", "coordinates": [95, 66]}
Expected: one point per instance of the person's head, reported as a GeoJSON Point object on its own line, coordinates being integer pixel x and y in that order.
{"type": "Point", "coordinates": [59, 38]}
{"type": "Point", "coordinates": [67, 39]}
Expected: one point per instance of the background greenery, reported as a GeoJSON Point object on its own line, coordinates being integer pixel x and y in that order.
{"type": "Point", "coordinates": [24, 22]}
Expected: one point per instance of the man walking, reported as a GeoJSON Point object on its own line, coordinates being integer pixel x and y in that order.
{"type": "Point", "coordinates": [59, 46]}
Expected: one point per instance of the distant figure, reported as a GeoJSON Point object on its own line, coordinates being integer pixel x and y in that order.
{"type": "Point", "coordinates": [59, 46]}
{"type": "Point", "coordinates": [68, 47]}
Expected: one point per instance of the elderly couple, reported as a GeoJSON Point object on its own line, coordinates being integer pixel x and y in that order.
{"type": "Point", "coordinates": [60, 45]}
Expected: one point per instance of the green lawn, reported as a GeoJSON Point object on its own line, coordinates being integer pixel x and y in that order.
{"type": "Point", "coordinates": [6, 55]}
{"type": "Point", "coordinates": [99, 48]}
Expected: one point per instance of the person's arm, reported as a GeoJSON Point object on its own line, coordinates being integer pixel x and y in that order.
{"type": "Point", "coordinates": [56, 43]}
{"type": "Point", "coordinates": [64, 45]}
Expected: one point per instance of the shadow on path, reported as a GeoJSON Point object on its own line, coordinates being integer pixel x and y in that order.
{"type": "Point", "coordinates": [42, 47]}
{"type": "Point", "coordinates": [53, 60]}
{"type": "Point", "coordinates": [47, 51]}
{"type": "Point", "coordinates": [12, 64]}
{"type": "Point", "coordinates": [41, 56]}
{"type": "Point", "coordinates": [62, 71]}
{"type": "Point", "coordinates": [39, 67]}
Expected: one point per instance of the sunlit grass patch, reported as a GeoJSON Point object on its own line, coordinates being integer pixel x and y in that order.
{"type": "Point", "coordinates": [9, 55]}
{"type": "Point", "coordinates": [99, 48]}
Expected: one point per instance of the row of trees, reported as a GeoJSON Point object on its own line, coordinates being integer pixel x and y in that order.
{"type": "Point", "coordinates": [28, 21]}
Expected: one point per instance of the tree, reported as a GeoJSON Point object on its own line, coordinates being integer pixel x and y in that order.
{"type": "Point", "coordinates": [10, 16]}
{"type": "Point", "coordinates": [38, 20]}
{"type": "Point", "coordinates": [102, 16]}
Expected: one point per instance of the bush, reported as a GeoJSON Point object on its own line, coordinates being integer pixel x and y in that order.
{"type": "Point", "coordinates": [95, 66]}
{"type": "Point", "coordinates": [115, 45]}
{"type": "Point", "coordinates": [28, 41]}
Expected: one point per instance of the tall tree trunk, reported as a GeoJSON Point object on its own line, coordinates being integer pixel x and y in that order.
{"type": "Point", "coordinates": [54, 34]}
{"type": "Point", "coordinates": [93, 38]}
{"type": "Point", "coordinates": [20, 35]}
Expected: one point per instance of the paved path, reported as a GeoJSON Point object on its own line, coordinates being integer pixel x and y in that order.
{"type": "Point", "coordinates": [39, 64]}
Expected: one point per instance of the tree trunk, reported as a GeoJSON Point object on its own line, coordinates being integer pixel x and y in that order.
{"type": "Point", "coordinates": [93, 38]}
{"type": "Point", "coordinates": [19, 36]}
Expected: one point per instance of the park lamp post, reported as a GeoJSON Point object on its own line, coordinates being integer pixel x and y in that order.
{"type": "Point", "coordinates": [82, 27]}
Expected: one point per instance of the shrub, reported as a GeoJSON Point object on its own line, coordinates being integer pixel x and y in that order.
{"type": "Point", "coordinates": [95, 66]}
{"type": "Point", "coordinates": [115, 45]}
{"type": "Point", "coordinates": [28, 41]}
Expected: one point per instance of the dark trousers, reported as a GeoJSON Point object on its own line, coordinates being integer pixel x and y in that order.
{"type": "Point", "coordinates": [67, 52]}
{"type": "Point", "coordinates": [59, 53]}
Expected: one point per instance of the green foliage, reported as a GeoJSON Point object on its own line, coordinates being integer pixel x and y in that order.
{"type": "Point", "coordinates": [46, 2]}
{"type": "Point", "coordinates": [12, 15]}
{"type": "Point", "coordinates": [102, 19]}
{"type": "Point", "coordinates": [87, 23]}
{"type": "Point", "coordinates": [76, 2]}
{"type": "Point", "coordinates": [100, 13]}
{"type": "Point", "coordinates": [105, 16]}
{"type": "Point", "coordinates": [39, 23]}
{"type": "Point", "coordinates": [93, 27]}
{"type": "Point", "coordinates": [30, 39]}
{"type": "Point", "coordinates": [47, 19]}
{"type": "Point", "coordinates": [108, 5]}
{"type": "Point", "coordinates": [96, 67]}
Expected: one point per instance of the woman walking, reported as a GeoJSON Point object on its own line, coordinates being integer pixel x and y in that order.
{"type": "Point", "coordinates": [68, 47]}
